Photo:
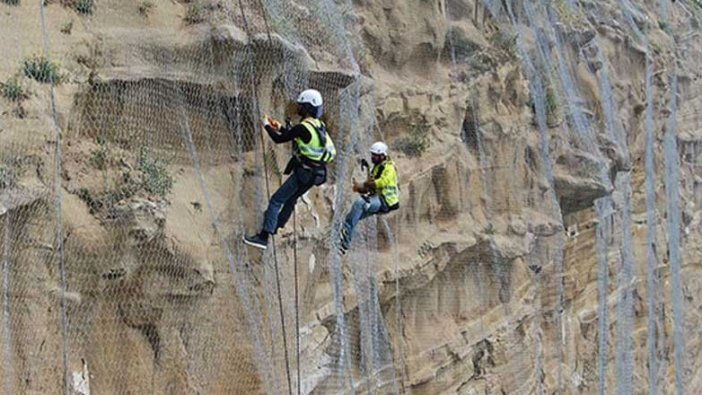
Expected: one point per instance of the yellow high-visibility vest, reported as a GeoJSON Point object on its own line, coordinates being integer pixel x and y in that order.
{"type": "Point", "coordinates": [314, 150]}
{"type": "Point", "coordinates": [386, 184]}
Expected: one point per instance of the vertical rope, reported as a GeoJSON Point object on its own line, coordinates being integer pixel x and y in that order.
{"type": "Point", "coordinates": [295, 264]}
{"type": "Point", "coordinates": [57, 191]}
{"type": "Point", "coordinates": [7, 324]}
{"type": "Point", "coordinates": [297, 303]}
{"type": "Point", "coordinates": [268, 193]}
{"type": "Point", "coordinates": [282, 318]}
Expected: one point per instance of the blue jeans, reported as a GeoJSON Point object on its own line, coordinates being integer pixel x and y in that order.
{"type": "Point", "coordinates": [283, 201]}
{"type": "Point", "coordinates": [361, 209]}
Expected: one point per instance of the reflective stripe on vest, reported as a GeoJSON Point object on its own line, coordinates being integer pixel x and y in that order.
{"type": "Point", "coordinates": [314, 150]}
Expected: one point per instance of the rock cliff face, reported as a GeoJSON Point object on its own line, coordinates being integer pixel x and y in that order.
{"type": "Point", "coordinates": [548, 238]}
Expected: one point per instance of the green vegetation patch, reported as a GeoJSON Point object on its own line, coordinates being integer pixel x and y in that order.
{"type": "Point", "coordinates": [416, 142]}
{"type": "Point", "coordinates": [41, 69]}
{"type": "Point", "coordinates": [13, 90]}
{"type": "Point", "coordinates": [157, 180]}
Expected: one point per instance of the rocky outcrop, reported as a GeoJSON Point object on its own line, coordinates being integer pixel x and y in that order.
{"type": "Point", "coordinates": [579, 180]}
{"type": "Point", "coordinates": [16, 198]}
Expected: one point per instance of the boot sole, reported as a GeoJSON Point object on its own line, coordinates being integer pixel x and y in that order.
{"type": "Point", "coordinates": [252, 244]}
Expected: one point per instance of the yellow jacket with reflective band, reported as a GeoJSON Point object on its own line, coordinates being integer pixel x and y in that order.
{"type": "Point", "coordinates": [314, 150]}
{"type": "Point", "coordinates": [386, 184]}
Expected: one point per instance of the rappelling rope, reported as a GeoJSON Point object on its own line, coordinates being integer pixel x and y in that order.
{"type": "Point", "coordinates": [60, 248]}
{"type": "Point", "coordinates": [295, 265]}
{"type": "Point", "coordinates": [268, 193]}
{"type": "Point", "coordinates": [297, 311]}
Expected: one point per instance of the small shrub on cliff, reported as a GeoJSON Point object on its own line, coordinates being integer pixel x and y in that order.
{"type": "Point", "coordinates": [11, 2]}
{"type": "Point", "coordinates": [145, 7]}
{"type": "Point", "coordinates": [550, 104]}
{"type": "Point", "coordinates": [12, 90]}
{"type": "Point", "coordinates": [81, 6]}
{"type": "Point", "coordinates": [195, 13]}
{"type": "Point", "coordinates": [416, 142]}
{"type": "Point", "coordinates": [98, 157]}
{"type": "Point", "coordinates": [505, 42]}
{"type": "Point", "coordinates": [84, 6]}
{"type": "Point", "coordinates": [67, 27]}
{"type": "Point", "coordinates": [490, 229]}
{"type": "Point", "coordinates": [157, 180]}
{"type": "Point", "coordinates": [41, 69]}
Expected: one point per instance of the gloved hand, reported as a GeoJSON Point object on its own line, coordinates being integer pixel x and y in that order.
{"type": "Point", "coordinates": [369, 185]}
{"type": "Point", "coordinates": [272, 122]}
{"type": "Point", "coordinates": [365, 187]}
{"type": "Point", "coordinates": [357, 187]}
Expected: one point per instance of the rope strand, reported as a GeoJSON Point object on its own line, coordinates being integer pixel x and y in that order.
{"type": "Point", "coordinates": [295, 264]}
{"type": "Point", "coordinates": [297, 303]}
{"type": "Point", "coordinates": [268, 193]}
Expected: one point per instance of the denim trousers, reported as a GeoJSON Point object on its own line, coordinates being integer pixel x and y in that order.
{"type": "Point", "coordinates": [283, 201]}
{"type": "Point", "coordinates": [361, 209]}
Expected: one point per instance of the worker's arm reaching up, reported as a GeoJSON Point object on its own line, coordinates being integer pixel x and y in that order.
{"type": "Point", "coordinates": [284, 134]}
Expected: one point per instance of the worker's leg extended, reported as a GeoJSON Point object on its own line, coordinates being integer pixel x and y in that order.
{"type": "Point", "coordinates": [286, 192]}
{"type": "Point", "coordinates": [360, 210]}
{"type": "Point", "coordinates": [305, 181]}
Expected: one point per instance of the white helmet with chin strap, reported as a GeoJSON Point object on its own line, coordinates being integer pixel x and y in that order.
{"type": "Point", "coordinates": [379, 148]}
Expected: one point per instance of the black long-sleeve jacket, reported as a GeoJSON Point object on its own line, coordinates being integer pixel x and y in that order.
{"type": "Point", "coordinates": [289, 134]}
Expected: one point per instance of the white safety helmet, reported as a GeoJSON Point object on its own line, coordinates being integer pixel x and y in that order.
{"type": "Point", "coordinates": [311, 97]}
{"type": "Point", "coordinates": [379, 148]}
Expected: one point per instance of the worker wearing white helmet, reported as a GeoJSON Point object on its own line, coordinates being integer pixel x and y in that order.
{"type": "Point", "coordinates": [380, 193]}
{"type": "Point", "coordinates": [313, 149]}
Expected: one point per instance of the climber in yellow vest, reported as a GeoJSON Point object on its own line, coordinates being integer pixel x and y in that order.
{"type": "Point", "coordinates": [380, 193]}
{"type": "Point", "coordinates": [313, 149]}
